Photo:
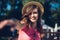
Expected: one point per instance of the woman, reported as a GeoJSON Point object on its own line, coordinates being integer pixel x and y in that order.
{"type": "Point", "coordinates": [32, 13]}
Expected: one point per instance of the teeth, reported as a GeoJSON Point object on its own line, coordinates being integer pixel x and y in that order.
{"type": "Point", "coordinates": [32, 18]}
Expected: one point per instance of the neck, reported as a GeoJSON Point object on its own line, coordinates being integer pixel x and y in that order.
{"type": "Point", "coordinates": [33, 25]}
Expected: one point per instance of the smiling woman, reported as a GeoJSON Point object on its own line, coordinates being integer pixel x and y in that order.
{"type": "Point", "coordinates": [33, 15]}
{"type": "Point", "coordinates": [32, 12]}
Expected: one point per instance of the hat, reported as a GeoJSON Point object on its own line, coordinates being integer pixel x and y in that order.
{"type": "Point", "coordinates": [32, 3]}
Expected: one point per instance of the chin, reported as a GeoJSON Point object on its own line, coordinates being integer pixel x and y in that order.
{"type": "Point", "coordinates": [33, 21]}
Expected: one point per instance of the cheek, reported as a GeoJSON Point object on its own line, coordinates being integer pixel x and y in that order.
{"type": "Point", "coordinates": [36, 15]}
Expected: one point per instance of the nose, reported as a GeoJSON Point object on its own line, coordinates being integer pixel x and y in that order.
{"type": "Point", "coordinates": [32, 14]}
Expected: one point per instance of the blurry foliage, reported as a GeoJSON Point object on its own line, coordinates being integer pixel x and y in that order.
{"type": "Point", "coordinates": [10, 9]}
{"type": "Point", "coordinates": [51, 14]}
{"type": "Point", "coordinates": [26, 1]}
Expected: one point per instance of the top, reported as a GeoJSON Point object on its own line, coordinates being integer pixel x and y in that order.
{"type": "Point", "coordinates": [28, 34]}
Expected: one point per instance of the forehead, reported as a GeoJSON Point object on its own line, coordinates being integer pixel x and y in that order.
{"type": "Point", "coordinates": [35, 10]}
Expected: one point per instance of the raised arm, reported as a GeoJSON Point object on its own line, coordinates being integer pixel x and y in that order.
{"type": "Point", "coordinates": [5, 22]}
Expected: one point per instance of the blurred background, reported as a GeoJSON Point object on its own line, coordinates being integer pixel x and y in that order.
{"type": "Point", "coordinates": [50, 21]}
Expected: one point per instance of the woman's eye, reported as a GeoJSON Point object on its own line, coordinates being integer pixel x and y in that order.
{"type": "Point", "coordinates": [35, 12]}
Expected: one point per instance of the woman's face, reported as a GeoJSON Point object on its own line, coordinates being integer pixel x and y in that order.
{"type": "Point", "coordinates": [33, 16]}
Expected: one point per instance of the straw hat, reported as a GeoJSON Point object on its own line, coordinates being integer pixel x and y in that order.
{"type": "Point", "coordinates": [32, 3]}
